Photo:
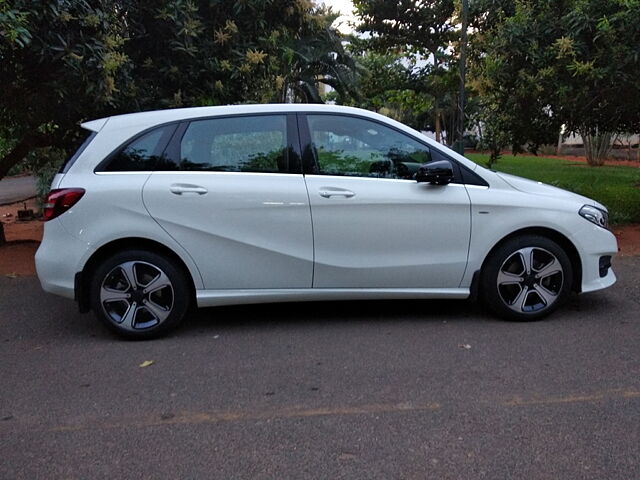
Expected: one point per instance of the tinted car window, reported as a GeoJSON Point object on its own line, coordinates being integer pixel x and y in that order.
{"type": "Point", "coordinates": [239, 144]}
{"type": "Point", "coordinates": [356, 147]}
{"type": "Point", "coordinates": [144, 153]}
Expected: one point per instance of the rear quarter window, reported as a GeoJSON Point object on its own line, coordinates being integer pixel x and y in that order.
{"type": "Point", "coordinates": [83, 141]}
{"type": "Point", "coordinates": [143, 153]}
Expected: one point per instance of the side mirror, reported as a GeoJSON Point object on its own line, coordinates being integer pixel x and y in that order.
{"type": "Point", "coordinates": [438, 173]}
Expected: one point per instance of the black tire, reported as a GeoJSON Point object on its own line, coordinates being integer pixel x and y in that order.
{"type": "Point", "coordinates": [540, 292]}
{"type": "Point", "coordinates": [143, 314]}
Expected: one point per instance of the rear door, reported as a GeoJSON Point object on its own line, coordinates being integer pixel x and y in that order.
{"type": "Point", "coordinates": [234, 197]}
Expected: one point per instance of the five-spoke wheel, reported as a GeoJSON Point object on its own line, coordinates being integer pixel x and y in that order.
{"type": "Point", "coordinates": [526, 278]}
{"type": "Point", "coordinates": [530, 279]}
{"type": "Point", "coordinates": [139, 294]}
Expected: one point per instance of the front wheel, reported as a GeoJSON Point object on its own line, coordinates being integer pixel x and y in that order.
{"type": "Point", "coordinates": [139, 294]}
{"type": "Point", "coordinates": [526, 278]}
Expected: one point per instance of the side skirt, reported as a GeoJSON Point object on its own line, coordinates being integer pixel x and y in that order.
{"type": "Point", "coordinates": [211, 298]}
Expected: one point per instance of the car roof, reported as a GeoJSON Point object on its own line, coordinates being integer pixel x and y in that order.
{"type": "Point", "coordinates": [157, 117]}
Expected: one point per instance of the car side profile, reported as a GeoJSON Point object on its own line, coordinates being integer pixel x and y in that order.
{"type": "Point", "coordinates": [160, 211]}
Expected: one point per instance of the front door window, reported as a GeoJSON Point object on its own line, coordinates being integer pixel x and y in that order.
{"type": "Point", "coordinates": [356, 147]}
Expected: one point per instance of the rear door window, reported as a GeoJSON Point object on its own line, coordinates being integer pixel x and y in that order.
{"type": "Point", "coordinates": [238, 144]}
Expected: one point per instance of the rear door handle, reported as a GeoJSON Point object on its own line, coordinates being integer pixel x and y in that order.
{"type": "Point", "coordinates": [180, 188]}
{"type": "Point", "coordinates": [328, 192]}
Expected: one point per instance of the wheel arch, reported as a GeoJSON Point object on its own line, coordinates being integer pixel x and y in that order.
{"type": "Point", "coordinates": [130, 243]}
{"type": "Point", "coordinates": [566, 244]}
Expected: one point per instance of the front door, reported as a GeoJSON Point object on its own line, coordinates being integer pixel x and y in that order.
{"type": "Point", "coordinates": [374, 226]}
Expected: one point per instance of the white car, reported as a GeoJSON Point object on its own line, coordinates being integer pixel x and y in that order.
{"type": "Point", "coordinates": [159, 211]}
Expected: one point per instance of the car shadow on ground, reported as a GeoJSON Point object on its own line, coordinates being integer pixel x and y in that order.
{"type": "Point", "coordinates": [379, 313]}
{"type": "Point", "coordinates": [295, 315]}
{"type": "Point", "coordinates": [306, 314]}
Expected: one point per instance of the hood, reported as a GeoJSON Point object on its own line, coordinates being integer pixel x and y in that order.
{"type": "Point", "coordinates": [539, 188]}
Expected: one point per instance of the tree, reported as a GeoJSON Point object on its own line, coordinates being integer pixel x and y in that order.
{"type": "Point", "coordinates": [378, 76]}
{"type": "Point", "coordinates": [317, 56]}
{"type": "Point", "coordinates": [387, 85]}
{"type": "Point", "coordinates": [65, 61]}
{"type": "Point", "coordinates": [413, 27]}
{"type": "Point", "coordinates": [443, 113]}
{"type": "Point", "coordinates": [202, 52]}
{"type": "Point", "coordinates": [572, 62]}
{"type": "Point", "coordinates": [57, 60]}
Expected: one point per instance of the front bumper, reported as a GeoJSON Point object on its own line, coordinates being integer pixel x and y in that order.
{"type": "Point", "coordinates": [593, 243]}
{"type": "Point", "coordinates": [593, 284]}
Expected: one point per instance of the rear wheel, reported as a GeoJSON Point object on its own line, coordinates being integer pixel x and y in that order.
{"type": "Point", "coordinates": [139, 294]}
{"type": "Point", "coordinates": [526, 278]}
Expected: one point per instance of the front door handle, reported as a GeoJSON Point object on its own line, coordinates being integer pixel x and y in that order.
{"type": "Point", "coordinates": [328, 192]}
{"type": "Point", "coordinates": [180, 188]}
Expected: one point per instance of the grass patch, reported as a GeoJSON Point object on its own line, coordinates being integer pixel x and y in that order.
{"type": "Point", "coordinates": [618, 188]}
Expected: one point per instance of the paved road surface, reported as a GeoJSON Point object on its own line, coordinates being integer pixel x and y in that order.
{"type": "Point", "coordinates": [338, 390]}
{"type": "Point", "coordinates": [15, 189]}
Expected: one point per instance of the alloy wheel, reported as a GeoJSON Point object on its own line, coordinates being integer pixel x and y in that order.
{"type": "Point", "coordinates": [530, 280]}
{"type": "Point", "coordinates": [136, 295]}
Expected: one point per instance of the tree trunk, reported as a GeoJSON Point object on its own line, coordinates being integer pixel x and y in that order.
{"type": "Point", "coordinates": [597, 146]}
{"type": "Point", "coordinates": [21, 150]}
{"type": "Point", "coordinates": [559, 148]}
{"type": "Point", "coordinates": [494, 156]}
{"type": "Point", "coordinates": [14, 156]}
{"type": "Point", "coordinates": [438, 126]}
{"type": "Point", "coordinates": [437, 100]}
{"type": "Point", "coordinates": [463, 72]}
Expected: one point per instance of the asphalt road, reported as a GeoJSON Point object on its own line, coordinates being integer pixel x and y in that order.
{"type": "Point", "coordinates": [333, 391]}
{"type": "Point", "coordinates": [16, 189]}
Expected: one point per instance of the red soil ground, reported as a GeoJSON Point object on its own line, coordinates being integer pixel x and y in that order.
{"type": "Point", "coordinates": [23, 238]}
{"type": "Point", "coordinates": [624, 163]}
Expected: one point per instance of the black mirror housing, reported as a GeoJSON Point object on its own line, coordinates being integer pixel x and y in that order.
{"type": "Point", "coordinates": [438, 173]}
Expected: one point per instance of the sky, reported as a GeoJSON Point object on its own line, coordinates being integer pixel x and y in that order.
{"type": "Point", "coordinates": [345, 7]}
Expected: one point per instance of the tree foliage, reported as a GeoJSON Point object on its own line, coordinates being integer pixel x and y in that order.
{"type": "Point", "coordinates": [318, 55]}
{"type": "Point", "coordinates": [65, 61]}
{"type": "Point", "coordinates": [417, 29]}
{"type": "Point", "coordinates": [386, 84]}
{"type": "Point", "coordinates": [570, 62]}
{"type": "Point", "coordinates": [42, 46]}
{"type": "Point", "coordinates": [416, 26]}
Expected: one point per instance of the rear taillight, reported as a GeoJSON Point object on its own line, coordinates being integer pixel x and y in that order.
{"type": "Point", "coordinates": [60, 200]}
